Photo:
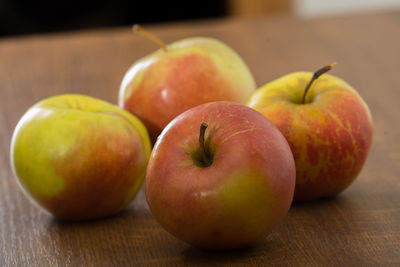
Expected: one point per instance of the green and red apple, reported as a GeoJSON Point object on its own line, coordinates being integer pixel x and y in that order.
{"type": "Point", "coordinates": [221, 176]}
{"type": "Point", "coordinates": [328, 127]}
{"type": "Point", "coordinates": [182, 75]}
{"type": "Point", "coordinates": [79, 157]}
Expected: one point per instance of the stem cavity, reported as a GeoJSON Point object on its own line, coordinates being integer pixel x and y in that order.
{"type": "Point", "coordinates": [314, 77]}
{"type": "Point", "coordinates": [138, 29]}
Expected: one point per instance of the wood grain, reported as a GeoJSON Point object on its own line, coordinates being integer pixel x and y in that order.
{"type": "Point", "coordinates": [360, 227]}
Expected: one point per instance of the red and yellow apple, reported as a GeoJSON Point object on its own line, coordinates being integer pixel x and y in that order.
{"type": "Point", "coordinates": [328, 127]}
{"type": "Point", "coordinates": [225, 186]}
{"type": "Point", "coordinates": [180, 76]}
{"type": "Point", "coordinates": [79, 157]}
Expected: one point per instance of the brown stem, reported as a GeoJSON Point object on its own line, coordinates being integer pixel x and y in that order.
{"type": "Point", "coordinates": [206, 157]}
{"type": "Point", "coordinates": [315, 76]}
{"type": "Point", "coordinates": [137, 29]}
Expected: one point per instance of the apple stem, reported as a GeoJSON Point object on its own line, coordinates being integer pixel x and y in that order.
{"type": "Point", "coordinates": [315, 76]}
{"type": "Point", "coordinates": [206, 157]}
{"type": "Point", "coordinates": [138, 29]}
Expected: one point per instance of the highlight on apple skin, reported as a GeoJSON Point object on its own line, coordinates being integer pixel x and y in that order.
{"type": "Point", "coordinates": [79, 157]}
{"type": "Point", "coordinates": [182, 75]}
{"type": "Point", "coordinates": [225, 186]}
{"type": "Point", "coordinates": [330, 134]}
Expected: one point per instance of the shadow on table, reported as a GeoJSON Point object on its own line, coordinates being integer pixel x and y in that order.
{"type": "Point", "coordinates": [101, 242]}
{"type": "Point", "coordinates": [341, 201]}
{"type": "Point", "coordinates": [134, 237]}
{"type": "Point", "coordinates": [268, 248]}
{"type": "Point", "coordinates": [278, 247]}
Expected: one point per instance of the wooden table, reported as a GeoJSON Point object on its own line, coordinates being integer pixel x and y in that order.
{"type": "Point", "coordinates": [360, 227]}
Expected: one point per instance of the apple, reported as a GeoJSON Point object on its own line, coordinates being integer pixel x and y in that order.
{"type": "Point", "coordinates": [328, 127]}
{"type": "Point", "coordinates": [225, 186]}
{"type": "Point", "coordinates": [182, 75]}
{"type": "Point", "coordinates": [79, 157]}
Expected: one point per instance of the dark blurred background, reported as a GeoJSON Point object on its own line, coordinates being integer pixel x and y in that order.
{"type": "Point", "coordinates": [26, 16]}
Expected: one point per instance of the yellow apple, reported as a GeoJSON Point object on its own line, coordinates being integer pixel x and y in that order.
{"type": "Point", "coordinates": [79, 157]}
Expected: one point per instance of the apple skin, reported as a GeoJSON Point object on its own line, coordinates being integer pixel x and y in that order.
{"type": "Point", "coordinates": [193, 71]}
{"type": "Point", "coordinates": [330, 136]}
{"type": "Point", "coordinates": [237, 200]}
{"type": "Point", "coordinates": [79, 157]}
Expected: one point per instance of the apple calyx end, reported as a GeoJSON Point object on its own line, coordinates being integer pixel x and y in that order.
{"type": "Point", "coordinates": [138, 29]}
{"type": "Point", "coordinates": [315, 76]}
